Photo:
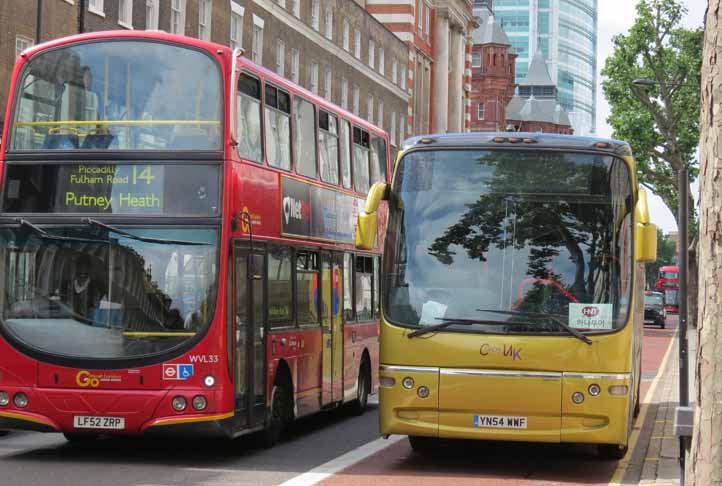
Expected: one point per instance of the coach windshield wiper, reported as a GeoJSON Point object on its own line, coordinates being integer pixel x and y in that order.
{"type": "Point", "coordinates": [543, 315]}
{"type": "Point", "coordinates": [448, 321]}
{"type": "Point", "coordinates": [94, 222]}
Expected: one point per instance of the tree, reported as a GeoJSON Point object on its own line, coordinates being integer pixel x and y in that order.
{"type": "Point", "coordinates": [660, 121]}
{"type": "Point", "coordinates": [705, 464]}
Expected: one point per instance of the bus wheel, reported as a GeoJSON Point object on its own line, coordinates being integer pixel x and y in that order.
{"type": "Point", "coordinates": [278, 418]}
{"type": "Point", "coordinates": [80, 439]}
{"type": "Point", "coordinates": [423, 444]}
{"type": "Point", "coordinates": [611, 451]}
{"type": "Point", "coordinates": [358, 406]}
{"type": "Point", "coordinates": [637, 403]}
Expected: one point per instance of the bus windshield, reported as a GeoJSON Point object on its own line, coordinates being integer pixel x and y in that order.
{"type": "Point", "coordinates": [99, 292]}
{"type": "Point", "coordinates": [509, 241]}
{"type": "Point", "coordinates": [118, 95]}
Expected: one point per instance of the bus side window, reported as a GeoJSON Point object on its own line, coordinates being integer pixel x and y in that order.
{"type": "Point", "coordinates": [364, 288]}
{"type": "Point", "coordinates": [307, 290]}
{"type": "Point", "coordinates": [328, 145]}
{"type": "Point", "coordinates": [348, 300]}
{"type": "Point", "coordinates": [378, 159]}
{"type": "Point", "coordinates": [280, 298]}
{"type": "Point", "coordinates": [248, 109]}
{"type": "Point", "coordinates": [278, 128]}
{"type": "Point", "coordinates": [345, 154]}
{"type": "Point", "coordinates": [361, 159]}
{"type": "Point", "coordinates": [304, 148]}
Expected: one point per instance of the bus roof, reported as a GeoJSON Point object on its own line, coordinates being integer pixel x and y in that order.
{"type": "Point", "coordinates": [520, 139]}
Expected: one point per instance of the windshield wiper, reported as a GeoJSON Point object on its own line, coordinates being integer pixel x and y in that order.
{"type": "Point", "coordinates": [449, 321]}
{"type": "Point", "coordinates": [541, 315]}
{"type": "Point", "coordinates": [94, 222]}
{"type": "Point", "coordinates": [24, 223]}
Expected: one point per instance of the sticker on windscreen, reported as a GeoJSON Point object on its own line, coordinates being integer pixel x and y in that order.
{"type": "Point", "coordinates": [591, 316]}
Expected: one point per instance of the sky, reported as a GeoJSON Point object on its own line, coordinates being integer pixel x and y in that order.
{"type": "Point", "coordinates": [616, 17]}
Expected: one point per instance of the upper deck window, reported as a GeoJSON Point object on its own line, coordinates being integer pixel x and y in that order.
{"type": "Point", "coordinates": [118, 95]}
{"type": "Point", "coordinates": [305, 141]}
{"type": "Point", "coordinates": [328, 144]}
{"type": "Point", "coordinates": [248, 108]}
{"type": "Point", "coordinates": [361, 159]}
{"type": "Point", "coordinates": [278, 128]}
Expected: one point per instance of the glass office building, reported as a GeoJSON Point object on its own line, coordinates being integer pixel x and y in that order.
{"type": "Point", "coordinates": [566, 33]}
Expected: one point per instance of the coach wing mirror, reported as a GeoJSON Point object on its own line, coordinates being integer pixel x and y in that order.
{"type": "Point", "coordinates": [367, 225]}
{"type": "Point", "coordinates": [645, 233]}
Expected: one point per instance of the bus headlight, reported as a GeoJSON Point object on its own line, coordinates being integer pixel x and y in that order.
{"type": "Point", "coordinates": [619, 390]}
{"type": "Point", "coordinates": [179, 404]}
{"type": "Point", "coordinates": [408, 383]}
{"type": "Point", "coordinates": [200, 402]}
{"type": "Point", "coordinates": [4, 398]}
{"type": "Point", "coordinates": [594, 390]}
{"type": "Point", "coordinates": [20, 400]}
{"type": "Point", "coordinates": [577, 397]}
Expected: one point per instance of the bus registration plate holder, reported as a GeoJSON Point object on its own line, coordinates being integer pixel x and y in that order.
{"type": "Point", "coordinates": [94, 422]}
{"type": "Point", "coordinates": [500, 422]}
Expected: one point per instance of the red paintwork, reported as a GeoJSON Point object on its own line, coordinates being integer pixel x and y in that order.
{"type": "Point", "coordinates": [55, 395]}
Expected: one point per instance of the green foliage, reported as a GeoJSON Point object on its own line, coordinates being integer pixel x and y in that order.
{"type": "Point", "coordinates": [660, 122]}
{"type": "Point", "coordinates": [666, 255]}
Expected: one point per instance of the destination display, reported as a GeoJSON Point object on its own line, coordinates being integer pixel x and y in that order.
{"type": "Point", "coordinates": [316, 212]}
{"type": "Point", "coordinates": [142, 189]}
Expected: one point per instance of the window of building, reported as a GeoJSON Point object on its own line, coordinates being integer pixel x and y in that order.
{"type": "Point", "coordinates": [280, 57]}
{"type": "Point", "coordinates": [380, 115]}
{"type": "Point", "coordinates": [328, 146]}
{"type": "Point", "coordinates": [22, 43]}
{"type": "Point", "coordinates": [327, 83]}
{"type": "Point", "coordinates": [257, 40]}
{"type": "Point", "coordinates": [205, 8]}
{"type": "Point", "coordinates": [476, 59]}
{"type": "Point", "coordinates": [96, 6]}
{"type": "Point", "coordinates": [348, 301]}
{"type": "Point", "coordinates": [378, 159]}
{"type": "Point", "coordinates": [370, 108]}
{"type": "Point", "coordinates": [295, 63]}
{"type": "Point", "coordinates": [357, 44]}
{"type": "Point", "coordinates": [125, 13]}
{"type": "Point", "coordinates": [236, 26]}
{"type": "Point", "coordinates": [420, 17]}
{"type": "Point", "coordinates": [313, 77]}
{"type": "Point", "coordinates": [427, 18]}
{"type": "Point", "coordinates": [395, 72]}
{"type": "Point", "coordinates": [372, 53]}
{"type": "Point", "coordinates": [345, 148]}
{"type": "Point", "coordinates": [304, 148]}
{"type": "Point", "coordinates": [281, 3]}
{"type": "Point", "coordinates": [382, 61]}
{"type": "Point", "coordinates": [346, 35]}
{"type": "Point", "coordinates": [328, 27]}
{"type": "Point", "coordinates": [248, 114]}
{"type": "Point", "coordinates": [402, 80]}
{"type": "Point", "coordinates": [152, 12]}
{"type": "Point", "coordinates": [344, 93]}
{"type": "Point", "coordinates": [278, 128]}
{"type": "Point", "coordinates": [280, 297]}
{"type": "Point", "coordinates": [402, 129]}
{"type": "Point", "coordinates": [307, 284]}
{"type": "Point", "coordinates": [480, 112]}
{"type": "Point", "coordinates": [178, 17]}
{"type": "Point", "coordinates": [315, 14]}
{"type": "Point", "coordinates": [392, 129]}
{"type": "Point", "coordinates": [363, 284]}
{"type": "Point", "coordinates": [356, 100]}
{"type": "Point", "coordinates": [361, 145]}
{"type": "Point", "coordinates": [297, 8]}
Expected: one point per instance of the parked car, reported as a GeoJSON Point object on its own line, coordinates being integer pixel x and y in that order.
{"type": "Point", "coordinates": [654, 310]}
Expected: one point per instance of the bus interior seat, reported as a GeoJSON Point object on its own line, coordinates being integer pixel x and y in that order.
{"type": "Point", "coordinates": [60, 141]}
{"type": "Point", "coordinates": [99, 141]}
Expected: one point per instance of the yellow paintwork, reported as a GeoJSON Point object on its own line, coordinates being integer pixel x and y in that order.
{"type": "Point", "coordinates": [645, 233]}
{"type": "Point", "coordinates": [516, 376]}
{"type": "Point", "coordinates": [367, 224]}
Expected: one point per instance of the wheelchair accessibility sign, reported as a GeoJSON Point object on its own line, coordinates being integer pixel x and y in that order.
{"type": "Point", "coordinates": [177, 371]}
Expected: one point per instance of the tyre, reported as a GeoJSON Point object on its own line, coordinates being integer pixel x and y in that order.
{"type": "Point", "coordinates": [278, 418]}
{"type": "Point", "coordinates": [423, 444]}
{"type": "Point", "coordinates": [358, 406]}
{"type": "Point", "coordinates": [637, 403]}
{"type": "Point", "coordinates": [611, 451]}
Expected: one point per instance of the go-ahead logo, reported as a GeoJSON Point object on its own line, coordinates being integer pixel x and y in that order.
{"type": "Point", "coordinates": [86, 379]}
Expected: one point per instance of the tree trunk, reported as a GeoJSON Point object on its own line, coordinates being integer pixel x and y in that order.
{"type": "Point", "coordinates": [705, 464]}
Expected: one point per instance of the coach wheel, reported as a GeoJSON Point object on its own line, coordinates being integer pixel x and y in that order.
{"type": "Point", "coordinates": [80, 439]}
{"type": "Point", "coordinates": [637, 402]}
{"type": "Point", "coordinates": [279, 416]}
{"type": "Point", "coordinates": [358, 406]}
{"type": "Point", "coordinates": [611, 451]}
{"type": "Point", "coordinates": [423, 444]}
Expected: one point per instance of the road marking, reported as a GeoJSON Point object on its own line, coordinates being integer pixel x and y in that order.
{"type": "Point", "coordinates": [318, 474]}
{"type": "Point", "coordinates": [618, 475]}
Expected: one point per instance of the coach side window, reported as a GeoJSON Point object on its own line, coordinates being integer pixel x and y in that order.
{"type": "Point", "coordinates": [378, 159]}
{"type": "Point", "coordinates": [248, 109]}
{"type": "Point", "coordinates": [307, 287]}
{"type": "Point", "coordinates": [361, 159]}
{"type": "Point", "coordinates": [305, 141]}
{"type": "Point", "coordinates": [328, 146]}
{"type": "Point", "coordinates": [364, 288]}
{"type": "Point", "coordinates": [346, 154]}
{"type": "Point", "coordinates": [278, 128]}
{"type": "Point", "coordinates": [280, 296]}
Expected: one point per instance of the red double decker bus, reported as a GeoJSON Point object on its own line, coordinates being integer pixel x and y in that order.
{"type": "Point", "coordinates": [176, 242]}
{"type": "Point", "coordinates": [668, 283]}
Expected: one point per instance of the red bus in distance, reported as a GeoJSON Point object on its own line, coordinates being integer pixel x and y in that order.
{"type": "Point", "coordinates": [177, 240]}
{"type": "Point", "coordinates": [668, 284]}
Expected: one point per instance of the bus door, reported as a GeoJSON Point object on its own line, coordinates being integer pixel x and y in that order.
{"type": "Point", "coordinates": [250, 356]}
{"type": "Point", "coordinates": [332, 329]}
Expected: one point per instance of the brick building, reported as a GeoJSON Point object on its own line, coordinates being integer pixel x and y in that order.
{"type": "Point", "coordinates": [332, 47]}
